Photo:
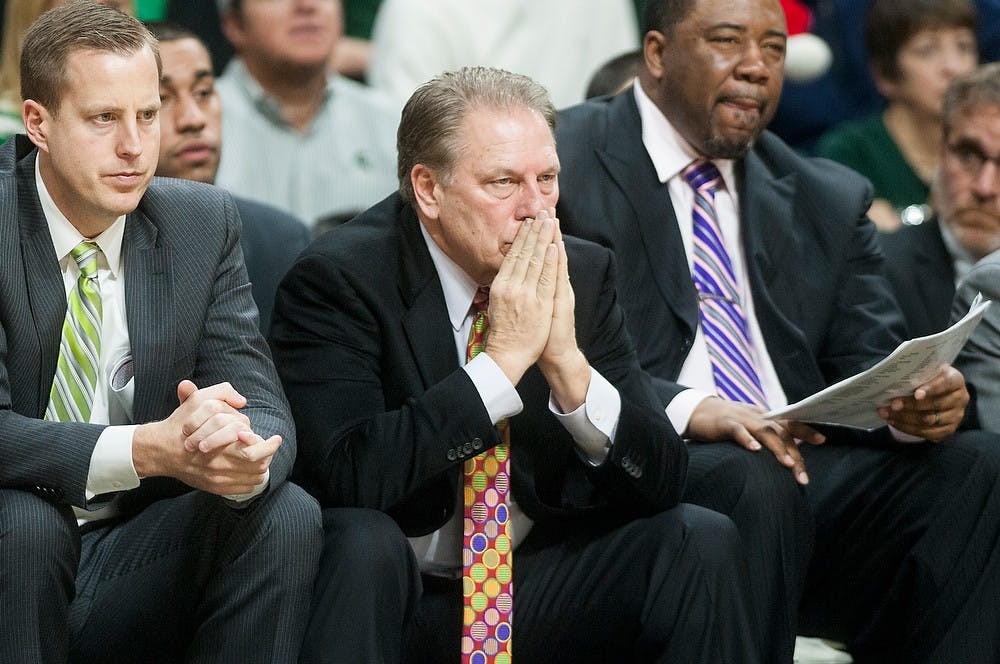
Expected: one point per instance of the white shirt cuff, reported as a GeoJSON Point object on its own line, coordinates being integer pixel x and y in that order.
{"type": "Point", "coordinates": [111, 466]}
{"type": "Point", "coordinates": [593, 425]}
{"type": "Point", "coordinates": [497, 392]}
{"type": "Point", "coordinates": [257, 490]}
{"type": "Point", "coordinates": [682, 406]}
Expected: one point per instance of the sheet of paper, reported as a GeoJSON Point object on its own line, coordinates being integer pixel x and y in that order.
{"type": "Point", "coordinates": [852, 401]}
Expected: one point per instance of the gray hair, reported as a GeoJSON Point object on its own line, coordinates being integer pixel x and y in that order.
{"type": "Point", "coordinates": [978, 88]}
{"type": "Point", "coordinates": [432, 118]}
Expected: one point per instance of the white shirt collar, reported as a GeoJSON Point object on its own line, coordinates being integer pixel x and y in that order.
{"type": "Point", "coordinates": [65, 236]}
{"type": "Point", "coordinates": [667, 149]}
{"type": "Point", "coordinates": [458, 287]}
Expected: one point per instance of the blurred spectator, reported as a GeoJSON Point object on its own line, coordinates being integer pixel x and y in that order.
{"type": "Point", "coordinates": [925, 262]}
{"type": "Point", "coordinates": [18, 15]}
{"type": "Point", "coordinates": [190, 145]}
{"type": "Point", "coordinates": [916, 48]}
{"type": "Point", "coordinates": [614, 75]}
{"type": "Point", "coordinates": [558, 43]}
{"type": "Point", "coordinates": [974, 159]}
{"type": "Point", "coordinates": [297, 137]}
{"type": "Point", "coordinates": [202, 17]}
{"type": "Point", "coordinates": [847, 92]}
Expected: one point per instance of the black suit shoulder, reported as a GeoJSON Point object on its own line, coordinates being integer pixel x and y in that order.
{"type": "Point", "coordinates": [272, 239]}
{"type": "Point", "coordinates": [922, 275]}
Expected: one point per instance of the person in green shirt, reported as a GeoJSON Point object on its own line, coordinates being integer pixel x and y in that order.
{"type": "Point", "coordinates": [915, 48]}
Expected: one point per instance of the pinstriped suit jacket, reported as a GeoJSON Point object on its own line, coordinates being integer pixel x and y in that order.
{"type": "Point", "coordinates": [190, 315]}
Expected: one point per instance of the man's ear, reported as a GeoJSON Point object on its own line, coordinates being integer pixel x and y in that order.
{"type": "Point", "coordinates": [36, 123]}
{"type": "Point", "coordinates": [425, 191]}
{"type": "Point", "coordinates": [653, 44]}
{"type": "Point", "coordinates": [232, 28]}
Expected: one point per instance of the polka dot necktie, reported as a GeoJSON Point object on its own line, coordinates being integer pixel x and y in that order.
{"type": "Point", "coordinates": [723, 321]}
{"type": "Point", "coordinates": [73, 385]}
{"type": "Point", "coordinates": [486, 555]}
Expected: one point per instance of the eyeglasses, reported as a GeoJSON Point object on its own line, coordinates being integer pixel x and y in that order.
{"type": "Point", "coordinates": [971, 158]}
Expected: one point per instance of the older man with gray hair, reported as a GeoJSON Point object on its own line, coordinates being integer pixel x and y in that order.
{"type": "Point", "coordinates": [970, 177]}
{"type": "Point", "coordinates": [457, 364]}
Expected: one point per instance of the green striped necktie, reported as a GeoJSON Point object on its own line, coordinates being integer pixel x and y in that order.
{"type": "Point", "coordinates": [73, 386]}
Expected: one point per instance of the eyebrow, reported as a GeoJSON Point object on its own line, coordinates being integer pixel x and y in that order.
{"type": "Point", "coordinates": [199, 76]}
{"type": "Point", "coordinates": [744, 29]}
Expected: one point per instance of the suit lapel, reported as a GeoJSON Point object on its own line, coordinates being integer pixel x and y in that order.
{"type": "Point", "coordinates": [936, 277]}
{"type": "Point", "coordinates": [149, 298]}
{"type": "Point", "coordinates": [426, 315]}
{"type": "Point", "coordinates": [766, 219]}
{"type": "Point", "coordinates": [767, 224]}
{"type": "Point", "coordinates": [46, 292]}
{"type": "Point", "coordinates": [628, 164]}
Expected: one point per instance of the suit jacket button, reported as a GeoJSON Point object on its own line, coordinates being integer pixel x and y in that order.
{"type": "Point", "coordinates": [452, 454]}
{"type": "Point", "coordinates": [467, 449]}
{"type": "Point", "coordinates": [477, 443]}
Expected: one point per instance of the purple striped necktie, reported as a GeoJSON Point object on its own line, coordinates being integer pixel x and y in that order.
{"type": "Point", "coordinates": [723, 321]}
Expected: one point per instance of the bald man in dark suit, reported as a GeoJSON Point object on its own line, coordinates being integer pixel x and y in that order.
{"type": "Point", "coordinates": [865, 529]}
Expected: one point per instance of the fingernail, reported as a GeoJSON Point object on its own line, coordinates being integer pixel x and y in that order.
{"type": "Point", "coordinates": [803, 478]}
{"type": "Point", "coordinates": [754, 445]}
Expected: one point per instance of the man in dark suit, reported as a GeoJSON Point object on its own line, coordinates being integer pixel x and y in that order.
{"type": "Point", "coordinates": [804, 283]}
{"type": "Point", "coordinates": [970, 195]}
{"type": "Point", "coordinates": [144, 439]}
{"type": "Point", "coordinates": [190, 145]}
{"type": "Point", "coordinates": [370, 334]}
{"type": "Point", "coordinates": [925, 262]}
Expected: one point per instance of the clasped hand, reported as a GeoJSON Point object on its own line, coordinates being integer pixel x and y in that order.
{"type": "Point", "coordinates": [207, 443]}
{"type": "Point", "coordinates": [532, 313]}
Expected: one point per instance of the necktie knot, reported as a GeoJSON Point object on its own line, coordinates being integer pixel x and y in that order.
{"type": "Point", "coordinates": [702, 175]}
{"type": "Point", "coordinates": [481, 300]}
{"type": "Point", "coordinates": [85, 255]}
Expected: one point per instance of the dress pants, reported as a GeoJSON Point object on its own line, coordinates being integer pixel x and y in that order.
{"type": "Point", "coordinates": [772, 515]}
{"type": "Point", "coordinates": [907, 560]}
{"type": "Point", "coordinates": [187, 579]}
{"type": "Point", "coordinates": [366, 590]}
{"type": "Point", "coordinates": [667, 588]}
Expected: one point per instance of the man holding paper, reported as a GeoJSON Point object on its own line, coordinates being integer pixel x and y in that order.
{"type": "Point", "coordinates": [751, 278]}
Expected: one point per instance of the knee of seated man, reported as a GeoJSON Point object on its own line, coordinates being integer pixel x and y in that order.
{"type": "Point", "coordinates": [369, 537]}
{"type": "Point", "coordinates": [38, 534]}
{"type": "Point", "coordinates": [289, 514]}
{"type": "Point", "coordinates": [753, 483]}
{"type": "Point", "coordinates": [709, 536]}
{"type": "Point", "coordinates": [984, 448]}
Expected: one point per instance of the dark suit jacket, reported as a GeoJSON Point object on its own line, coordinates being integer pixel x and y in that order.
{"type": "Point", "coordinates": [190, 315]}
{"type": "Point", "coordinates": [386, 415]}
{"type": "Point", "coordinates": [814, 265]}
{"type": "Point", "coordinates": [979, 359]}
{"type": "Point", "coordinates": [922, 275]}
{"type": "Point", "coordinates": [271, 241]}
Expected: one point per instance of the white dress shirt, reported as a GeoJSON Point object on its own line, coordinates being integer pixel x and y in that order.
{"type": "Point", "coordinates": [592, 425]}
{"type": "Point", "coordinates": [111, 469]}
{"type": "Point", "coordinates": [670, 155]}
